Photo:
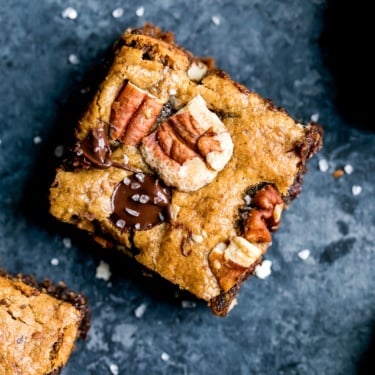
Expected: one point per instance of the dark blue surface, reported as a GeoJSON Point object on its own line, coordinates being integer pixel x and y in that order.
{"type": "Point", "coordinates": [313, 316]}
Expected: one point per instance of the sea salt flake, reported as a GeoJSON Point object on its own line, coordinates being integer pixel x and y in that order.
{"type": "Point", "coordinates": [263, 270]}
{"type": "Point", "coordinates": [323, 165]}
{"type": "Point", "coordinates": [54, 262]}
{"type": "Point", "coordinates": [103, 271]}
{"type": "Point", "coordinates": [37, 139]}
{"type": "Point", "coordinates": [73, 59]}
{"type": "Point", "coordinates": [144, 198]}
{"type": "Point", "coordinates": [348, 169]}
{"type": "Point", "coordinates": [69, 13]}
{"type": "Point", "coordinates": [120, 223]}
{"type": "Point", "coordinates": [304, 254]}
{"type": "Point", "coordinates": [117, 13]}
{"type": "Point", "coordinates": [140, 11]}
{"type": "Point", "coordinates": [216, 20]}
{"type": "Point", "coordinates": [165, 356]}
{"type": "Point", "coordinates": [140, 176]}
{"type": "Point", "coordinates": [67, 242]}
{"type": "Point", "coordinates": [126, 181]}
{"type": "Point", "coordinates": [132, 212]}
{"type": "Point", "coordinates": [356, 189]}
{"type": "Point", "coordinates": [59, 151]}
{"type": "Point", "coordinates": [114, 369]}
{"type": "Point", "coordinates": [140, 310]}
{"type": "Point", "coordinates": [314, 117]}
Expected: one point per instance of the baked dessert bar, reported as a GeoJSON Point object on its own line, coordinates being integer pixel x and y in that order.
{"type": "Point", "coordinates": [39, 324]}
{"type": "Point", "coordinates": [182, 168]}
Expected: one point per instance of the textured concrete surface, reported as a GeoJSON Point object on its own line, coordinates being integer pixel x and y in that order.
{"type": "Point", "coordinates": [310, 316]}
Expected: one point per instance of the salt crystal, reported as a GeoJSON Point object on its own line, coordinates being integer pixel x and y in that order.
{"type": "Point", "coordinates": [314, 117]}
{"type": "Point", "coordinates": [140, 310]}
{"type": "Point", "coordinates": [54, 261]}
{"type": "Point", "coordinates": [304, 254]}
{"type": "Point", "coordinates": [263, 270]}
{"type": "Point", "coordinates": [120, 223]}
{"type": "Point", "coordinates": [140, 11]}
{"type": "Point", "coordinates": [37, 139]}
{"type": "Point", "coordinates": [132, 212]}
{"type": "Point", "coordinates": [323, 165]}
{"type": "Point", "coordinates": [165, 356]}
{"type": "Point", "coordinates": [69, 13]}
{"type": "Point", "coordinates": [103, 271]}
{"type": "Point", "coordinates": [59, 151]}
{"type": "Point", "coordinates": [144, 198]}
{"type": "Point", "coordinates": [348, 169]}
{"type": "Point", "coordinates": [73, 59]}
{"type": "Point", "coordinates": [356, 189]}
{"type": "Point", "coordinates": [117, 13]}
{"type": "Point", "coordinates": [113, 368]}
{"type": "Point", "coordinates": [216, 20]}
{"type": "Point", "coordinates": [67, 242]}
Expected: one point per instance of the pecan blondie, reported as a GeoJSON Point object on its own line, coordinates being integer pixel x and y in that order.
{"type": "Point", "coordinates": [39, 324]}
{"type": "Point", "coordinates": [182, 168]}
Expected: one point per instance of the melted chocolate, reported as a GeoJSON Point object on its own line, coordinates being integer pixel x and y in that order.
{"type": "Point", "coordinates": [140, 202]}
{"type": "Point", "coordinates": [95, 149]}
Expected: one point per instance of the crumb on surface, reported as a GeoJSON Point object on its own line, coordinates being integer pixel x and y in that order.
{"type": "Point", "coordinates": [263, 270]}
{"type": "Point", "coordinates": [323, 165]}
{"type": "Point", "coordinates": [356, 189]}
{"type": "Point", "coordinates": [37, 139]}
{"type": "Point", "coordinates": [216, 20]}
{"type": "Point", "coordinates": [140, 310]}
{"type": "Point", "coordinates": [103, 271]}
{"type": "Point", "coordinates": [165, 356]}
{"type": "Point", "coordinates": [69, 13]}
{"type": "Point", "coordinates": [140, 11]}
{"type": "Point", "coordinates": [348, 169]}
{"type": "Point", "coordinates": [117, 13]}
{"type": "Point", "coordinates": [54, 262]}
{"type": "Point", "coordinates": [304, 254]}
{"type": "Point", "coordinates": [338, 173]}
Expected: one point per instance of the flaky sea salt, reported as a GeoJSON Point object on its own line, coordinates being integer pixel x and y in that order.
{"type": "Point", "coordinates": [59, 151]}
{"type": "Point", "coordinates": [165, 356]}
{"type": "Point", "coordinates": [37, 140]}
{"type": "Point", "coordinates": [140, 11]}
{"type": "Point", "coordinates": [54, 262]}
{"type": "Point", "coordinates": [114, 369]}
{"type": "Point", "coordinates": [356, 189]}
{"type": "Point", "coordinates": [348, 169]}
{"type": "Point", "coordinates": [73, 59]}
{"type": "Point", "coordinates": [69, 13]}
{"type": "Point", "coordinates": [140, 310]}
{"type": "Point", "coordinates": [304, 254]}
{"type": "Point", "coordinates": [103, 271]}
{"type": "Point", "coordinates": [117, 13]}
{"type": "Point", "coordinates": [216, 20]}
{"type": "Point", "coordinates": [323, 165]}
{"type": "Point", "coordinates": [263, 270]}
{"type": "Point", "coordinates": [314, 117]}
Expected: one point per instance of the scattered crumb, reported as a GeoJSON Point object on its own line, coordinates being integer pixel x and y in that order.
{"type": "Point", "coordinates": [185, 304]}
{"type": "Point", "coordinates": [103, 271]}
{"type": "Point", "coordinates": [323, 165]}
{"type": "Point", "coordinates": [113, 368]}
{"type": "Point", "coordinates": [216, 20]}
{"type": "Point", "coordinates": [314, 117]}
{"type": "Point", "coordinates": [140, 11]}
{"type": "Point", "coordinates": [73, 59]}
{"type": "Point", "coordinates": [356, 189]}
{"type": "Point", "coordinates": [67, 242]}
{"type": "Point", "coordinates": [165, 356]}
{"type": "Point", "coordinates": [140, 310]}
{"type": "Point", "coordinates": [37, 139]}
{"type": "Point", "coordinates": [338, 173]}
{"type": "Point", "coordinates": [54, 262]}
{"type": "Point", "coordinates": [304, 254]}
{"type": "Point", "coordinates": [59, 151]}
{"type": "Point", "coordinates": [117, 13]}
{"type": "Point", "coordinates": [348, 169]}
{"type": "Point", "coordinates": [69, 13]}
{"type": "Point", "coordinates": [263, 270]}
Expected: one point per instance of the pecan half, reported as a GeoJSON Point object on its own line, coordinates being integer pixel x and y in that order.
{"type": "Point", "coordinates": [134, 112]}
{"type": "Point", "coordinates": [230, 262]}
{"type": "Point", "coordinates": [190, 148]}
{"type": "Point", "coordinates": [265, 215]}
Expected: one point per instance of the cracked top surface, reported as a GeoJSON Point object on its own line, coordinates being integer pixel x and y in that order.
{"type": "Point", "coordinates": [37, 330]}
{"type": "Point", "coordinates": [269, 147]}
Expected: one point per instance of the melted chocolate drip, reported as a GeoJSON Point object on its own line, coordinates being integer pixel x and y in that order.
{"type": "Point", "coordinates": [140, 202]}
{"type": "Point", "coordinates": [95, 149]}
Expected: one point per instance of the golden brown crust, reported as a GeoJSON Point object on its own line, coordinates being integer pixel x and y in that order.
{"type": "Point", "coordinates": [39, 324]}
{"type": "Point", "coordinates": [270, 148]}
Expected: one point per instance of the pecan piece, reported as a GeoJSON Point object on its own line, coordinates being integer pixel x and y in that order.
{"type": "Point", "coordinates": [265, 215]}
{"type": "Point", "coordinates": [229, 263]}
{"type": "Point", "coordinates": [134, 112]}
{"type": "Point", "coordinates": [190, 148]}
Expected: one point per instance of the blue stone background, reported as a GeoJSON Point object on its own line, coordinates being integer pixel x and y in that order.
{"type": "Point", "coordinates": [313, 316]}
